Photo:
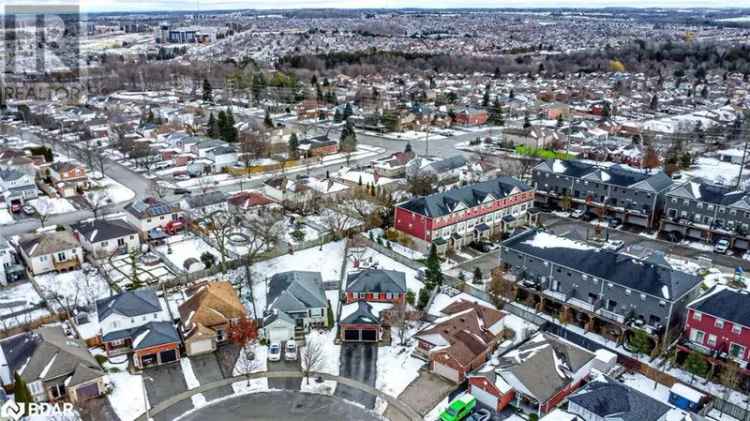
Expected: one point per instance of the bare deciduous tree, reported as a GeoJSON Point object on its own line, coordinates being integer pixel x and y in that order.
{"type": "Point", "coordinates": [312, 358]}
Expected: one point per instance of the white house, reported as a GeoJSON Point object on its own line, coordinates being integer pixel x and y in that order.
{"type": "Point", "coordinates": [17, 185]}
{"type": "Point", "coordinates": [222, 157]}
{"type": "Point", "coordinates": [151, 213]}
{"type": "Point", "coordinates": [50, 251]}
{"type": "Point", "coordinates": [105, 237]}
{"type": "Point", "coordinates": [203, 204]}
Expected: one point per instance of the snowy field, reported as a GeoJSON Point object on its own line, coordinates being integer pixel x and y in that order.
{"type": "Point", "coordinates": [713, 170]}
{"type": "Point", "coordinates": [186, 246]}
{"type": "Point", "coordinates": [127, 397]}
{"type": "Point", "coordinates": [120, 271]}
{"type": "Point", "coordinates": [76, 288]}
{"type": "Point", "coordinates": [16, 302]}
{"type": "Point", "coordinates": [116, 192]}
{"type": "Point", "coordinates": [5, 217]}
{"type": "Point", "coordinates": [51, 206]}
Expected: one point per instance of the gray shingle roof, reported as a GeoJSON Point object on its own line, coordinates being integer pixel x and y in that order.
{"type": "Point", "coordinates": [608, 398]}
{"type": "Point", "coordinates": [376, 280]}
{"type": "Point", "coordinates": [206, 199]}
{"type": "Point", "coordinates": [440, 204]}
{"type": "Point", "coordinates": [19, 348]}
{"type": "Point", "coordinates": [104, 229]}
{"type": "Point", "coordinates": [129, 303]}
{"type": "Point", "coordinates": [296, 291]}
{"type": "Point", "coordinates": [362, 315]}
{"type": "Point", "coordinates": [725, 303]}
{"type": "Point", "coordinates": [154, 334]}
{"type": "Point", "coordinates": [47, 243]}
{"type": "Point", "coordinates": [57, 355]}
{"type": "Point", "coordinates": [616, 175]}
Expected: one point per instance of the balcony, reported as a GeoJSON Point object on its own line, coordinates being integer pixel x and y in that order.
{"type": "Point", "coordinates": [559, 296]}
{"type": "Point", "coordinates": [611, 315]}
{"type": "Point", "coordinates": [66, 265]}
{"type": "Point", "coordinates": [582, 304]}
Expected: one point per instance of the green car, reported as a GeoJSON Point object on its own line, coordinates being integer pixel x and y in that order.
{"type": "Point", "coordinates": [459, 409]}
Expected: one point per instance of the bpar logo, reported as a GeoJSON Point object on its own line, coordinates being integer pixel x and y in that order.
{"type": "Point", "coordinates": [15, 411]}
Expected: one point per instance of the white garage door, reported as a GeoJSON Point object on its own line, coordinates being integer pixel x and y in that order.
{"type": "Point", "coordinates": [445, 371]}
{"type": "Point", "coordinates": [199, 347]}
{"type": "Point", "coordinates": [485, 397]}
{"type": "Point", "coordinates": [279, 334]}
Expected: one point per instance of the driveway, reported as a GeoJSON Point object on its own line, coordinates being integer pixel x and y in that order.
{"type": "Point", "coordinates": [284, 383]}
{"type": "Point", "coordinates": [422, 394]}
{"type": "Point", "coordinates": [358, 361]}
{"type": "Point", "coordinates": [162, 383]}
{"type": "Point", "coordinates": [206, 369]}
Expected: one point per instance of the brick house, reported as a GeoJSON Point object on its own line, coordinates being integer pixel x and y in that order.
{"type": "Point", "coordinates": [718, 324]}
{"type": "Point", "coordinates": [470, 117]}
{"type": "Point", "coordinates": [362, 322]}
{"type": "Point", "coordinates": [460, 216]}
{"type": "Point", "coordinates": [375, 285]}
{"type": "Point", "coordinates": [461, 341]}
{"type": "Point", "coordinates": [68, 179]}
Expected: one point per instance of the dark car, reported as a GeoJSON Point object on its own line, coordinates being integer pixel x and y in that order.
{"type": "Point", "coordinates": [181, 191]}
{"type": "Point", "coordinates": [481, 246]}
{"type": "Point", "coordinates": [614, 222]}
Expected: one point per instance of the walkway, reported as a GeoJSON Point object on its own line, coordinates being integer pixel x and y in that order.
{"type": "Point", "coordinates": [406, 410]}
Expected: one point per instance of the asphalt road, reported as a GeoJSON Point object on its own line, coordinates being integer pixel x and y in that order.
{"type": "Point", "coordinates": [359, 362]}
{"type": "Point", "coordinates": [281, 405]}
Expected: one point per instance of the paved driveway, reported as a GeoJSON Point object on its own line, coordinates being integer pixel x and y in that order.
{"type": "Point", "coordinates": [358, 361]}
{"type": "Point", "coordinates": [162, 383]}
{"type": "Point", "coordinates": [285, 383]}
{"type": "Point", "coordinates": [423, 394]}
{"type": "Point", "coordinates": [206, 369]}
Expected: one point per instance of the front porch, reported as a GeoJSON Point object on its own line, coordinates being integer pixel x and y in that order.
{"type": "Point", "coordinates": [66, 265]}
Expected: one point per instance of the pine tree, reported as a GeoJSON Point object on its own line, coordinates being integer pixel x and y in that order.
{"type": "Point", "coordinates": [229, 133]}
{"type": "Point", "coordinates": [433, 272]}
{"type": "Point", "coordinates": [486, 97]}
{"type": "Point", "coordinates": [150, 116]}
{"type": "Point", "coordinates": [496, 114]}
{"type": "Point", "coordinates": [212, 128]}
{"type": "Point", "coordinates": [22, 394]}
{"type": "Point", "coordinates": [526, 121]}
{"type": "Point", "coordinates": [267, 120]}
{"type": "Point", "coordinates": [424, 298]}
{"type": "Point", "coordinates": [207, 91]}
{"type": "Point", "coordinates": [293, 145]}
{"type": "Point", "coordinates": [348, 140]}
{"type": "Point", "coordinates": [654, 105]}
{"type": "Point", "coordinates": [477, 275]}
{"type": "Point", "coordinates": [560, 121]}
{"type": "Point", "coordinates": [407, 148]}
{"type": "Point", "coordinates": [348, 111]}
{"type": "Point", "coordinates": [221, 124]}
{"type": "Point", "coordinates": [329, 315]}
{"type": "Point", "coordinates": [696, 365]}
{"type": "Point", "coordinates": [338, 117]}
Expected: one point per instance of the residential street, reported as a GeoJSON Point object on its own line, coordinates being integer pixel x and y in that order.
{"type": "Point", "coordinates": [359, 362]}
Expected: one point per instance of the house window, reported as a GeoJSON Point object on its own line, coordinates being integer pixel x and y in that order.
{"type": "Point", "coordinates": [61, 256]}
{"type": "Point", "coordinates": [120, 242]}
{"type": "Point", "coordinates": [712, 340]}
{"type": "Point", "coordinates": [104, 244]}
{"type": "Point", "coordinates": [736, 329]}
{"type": "Point", "coordinates": [736, 350]}
{"type": "Point", "coordinates": [696, 315]}
{"type": "Point", "coordinates": [43, 258]}
{"type": "Point", "coordinates": [719, 323]}
{"type": "Point", "coordinates": [697, 336]}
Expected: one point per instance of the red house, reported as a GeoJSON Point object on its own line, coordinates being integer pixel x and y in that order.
{"type": "Point", "coordinates": [471, 117]}
{"type": "Point", "coordinates": [457, 217]}
{"type": "Point", "coordinates": [375, 285]}
{"type": "Point", "coordinates": [359, 323]}
{"type": "Point", "coordinates": [719, 323]}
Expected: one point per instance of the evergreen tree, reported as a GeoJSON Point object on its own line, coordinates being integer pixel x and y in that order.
{"type": "Point", "coordinates": [486, 97]}
{"type": "Point", "coordinates": [22, 394]}
{"type": "Point", "coordinates": [696, 365]}
{"type": "Point", "coordinates": [348, 140]}
{"type": "Point", "coordinates": [407, 148]}
{"type": "Point", "coordinates": [433, 273]}
{"type": "Point", "coordinates": [229, 133]}
{"type": "Point", "coordinates": [207, 91]}
{"type": "Point", "coordinates": [512, 94]}
{"type": "Point", "coordinates": [424, 298]}
{"type": "Point", "coordinates": [496, 114]}
{"type": "Point", "coordinates": [526, 121]}
{"type": "Point", "coordinates": [293, 145]}
{"type": "Point", "coordinates": [654, 105]}
{"type": "Point", "coordinates": [212, 128]}
{"type": "Point", "coordinates": [348, 111]}
{"type": "Point", "coordinates": [221, 124]}
{"type": "Point", "coordinates": [267, 120]}
{"type": "Point", "coordinates": [477, 275]}
{"type": "Point", "coordinates": [150, 116]}
{"type": "Point", "coordinates": [259, 86]}
{"type": "Point", "coordinates": [560, 121]}
{"type": "Point", "coordinates": [338, 117]}
{"type": "Point", "coordinates": [329, 315]}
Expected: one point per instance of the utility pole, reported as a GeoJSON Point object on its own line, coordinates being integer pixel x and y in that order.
{"type": "Point", "coordinates": [742, 164]}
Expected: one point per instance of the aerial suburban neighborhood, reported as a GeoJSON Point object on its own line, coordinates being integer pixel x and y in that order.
{"type": "Point", "coordinates": [380, 214]}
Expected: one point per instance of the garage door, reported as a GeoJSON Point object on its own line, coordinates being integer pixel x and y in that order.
{"type": "Point", "coordinates": [199, 347]}
{"type": "Point", "coordinates": [369, 335]}
{"type": "Point", "coordinates": [445, 371]}
{"type": "Point", "coordinates": [279, 334]}
{"type": "Point", "coordinates": [168, 356]}
{"type": "Point", "coordinates": [351, 334]}
{"type": "Point", "coordinates": [484, 397]}
{"type": "Point", "coordinates": [148, 359]}
{"type": "Point", "coordinates": [87, 392]}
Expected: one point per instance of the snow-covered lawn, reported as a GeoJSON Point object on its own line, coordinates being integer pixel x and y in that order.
{"type": "Point", "coordinates": [51, 206]}
{"type": "Point", "coordinates": [371, 258]}
{"type": "Point", "coordinates": [150, 274]}
{"type": "Point", "coordinates": [114, 191]}
{"type": "Point", "coordinates": [331, 351]}
{"type": "Point", "coordinates": [311, 234]}
{"type": "Point", "coordinates": [127, 396]}
{"type": "Point", "coordinates": [18, 299]}
{"type": "Point", "coordinates": [5, 217]}
{"type": "Point", "coordinates": [647, 386]}
{"type": "Point", "coordinates": [396, 367]}
{"type": "Point", "coordinates": [207, 180]}
{"type": "Point", "coordinates": [186, 246]}
{"type": "Point", "coordinates": [260, 363]}
{"type": "Point", "coordinates": [713, 170]}
{"type": "Point", "coordinates": [76, 288]}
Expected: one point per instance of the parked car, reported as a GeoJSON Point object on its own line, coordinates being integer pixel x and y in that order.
{"type": "Point", "coordinates": [577, 214]}
{"type": "Point", "coordinates": [290, 351]}
{"type": "Point", "coordinates": [29, 210]}
{"type": "Point", "coordinates": [459, 408]}
{"type": "Point", "coordinates": [721, 247]}
{"type": "Point", "coordinates": [481, 246]}
{"type": "Point", "coordinates": [614, 245]}
{"type": "Point", "coordinates": [181, 177]}
{"type": "Point", "coordinates": [274, 352]}
{"type": "Point", "coordinates": [674, 236]}
{"type": "Point", "coordinates": [181, 191]}
{"type": "Point", "coordinates": [614, 222]}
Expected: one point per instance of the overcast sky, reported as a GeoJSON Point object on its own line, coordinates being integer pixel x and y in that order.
{"type": "Point", "coordinates": [190, 5]}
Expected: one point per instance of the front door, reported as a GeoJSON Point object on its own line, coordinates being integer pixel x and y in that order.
{"type": "Point", "coordinates": [299, 323]}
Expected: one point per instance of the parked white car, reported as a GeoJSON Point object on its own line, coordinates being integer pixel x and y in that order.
{"type": "Point", "coordinates": [578, 213]}
{"type": "Point", "coordinates": [290, 351]}
{"type": "Point", "coordinates": [274, 352]}
{"type": "Point", "coordinates": [722, 246]}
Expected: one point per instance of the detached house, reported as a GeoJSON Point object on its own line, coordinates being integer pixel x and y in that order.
{"type": "Point", "coordinates": [375, 285]}
{"type": "Point", "coordinates": [134, 321]}
{"type": "Point", "coordinates": [151, 216]}
{"type": "Point", "coordinates": [296, 301]}
{"type": "Point", "coordinates": [609, 400]}
{"type": "Point", "coordinates": [50, 251]}
{"type": "Point", "coordinates": [461, 341]}
{"type": "Point", "coordinates": [208, 315]}
{"type": "Point", "coordinates": [58, 367]}
{"type": "Point", "coordinates": [105, 237]}
{"type": "Point", "coordinates": [17, 186]}
{"type": "Point", "coordinates": [68, 179]}
{"type": "Point", "coordinates": [201, 205]}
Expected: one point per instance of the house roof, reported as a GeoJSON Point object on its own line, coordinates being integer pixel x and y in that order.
{"type": "Point", "coordinates": [213, 304]}
{"type": "Point", "coordinates": [205, 199]}
{"type": "Point", "coordinates": [296, 291]}
{"type": "Point", "coordinates": [617, 175]}
{"type": "Point", "coordinates": [150, 207]}
{"type": "Point", "coordinates": [154, 334]}
{"type": "Point", "coordinates": [246, 200]}
{"type": "Point", "coordinates": [711, 193]}
{"type": "Point", "coordinates": [129, 304]}
{"type": "Point", "coordinates": [609, 399]}
{"type": "Point", "coordinates": [637, 274]}
{"type": "Point", "coordinates": [441, 204]}
{"type": "Point", "coordinates": [104, 229]}
{"type": "Point", "coordinates": [18, 349]}
{"type": "Point", "coordinates": [47, 243]}
{"type": "Point", "coordinates": [725, 303]}
{"type": "Point", "coordinates": [58, 355]}
{"type": "Point", "coordinates": [362, 315]}
{"type": "Point", "coordinates": [376, 280]}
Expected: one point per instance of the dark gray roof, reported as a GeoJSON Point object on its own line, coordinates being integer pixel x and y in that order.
{"type": "Point", "coordinates": [711, 193]}
{"type": "Point", "coordinates": [206, 199]}
{"type": "Point", "coordinates": [129, 303]}
{"type": "Point", "coordinates": [18, 349]}
{"type": "Point", "coordinates": [633, 273]}
{"type": "Point", "coordinates": [376, 280]}
{"type": "Point", "coordinates": [448, 164]}
{"type": "Point", "coordinates": [608, 398]}
{"type": "Point", "coordinates": [296, 291]}
{"type": "Point", "coordinates": [11, 174]}
{"type": "Point", "coordinates": [440, 204]}
{"type": "Point", "coordinates": [57, 355]}
{"type": "Point", "coordinates": [150, 207]}
{"type": "Point", "coordinates": [154, 334]}
{"type": "Point", "coordinates": [725, 303]}
{"type": "Point", "coordinates": [616, 175]}
{"type": "Point", "coordinates": [362, 315]}
{"type": "Point", "coordinates": [104, 229]}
